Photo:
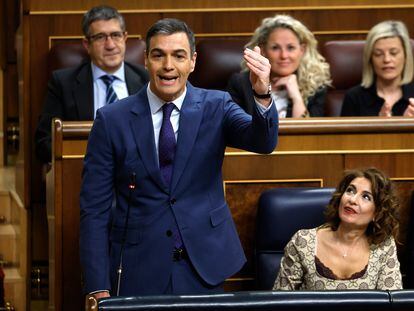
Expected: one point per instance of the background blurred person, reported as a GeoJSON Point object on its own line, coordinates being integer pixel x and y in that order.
{"type": "Point", "coordinates": [299, 74]}
{"type": "Point", "coordinates": [386, 88]}
{"type": "Point", "coordinates": [74, 94]}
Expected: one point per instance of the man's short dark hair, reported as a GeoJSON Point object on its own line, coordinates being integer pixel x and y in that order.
{"type": "Point", "coordinates": [169, 26]}
{"type": "Point", "coordinates": [99, 13]}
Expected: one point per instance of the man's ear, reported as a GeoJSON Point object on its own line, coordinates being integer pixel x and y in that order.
{"type": "Point", "coordinates": [85, 43]}
{"type": "Point", "coordinates": [193, 61]}
{"type": "Point", "coordinates": [145, 59]}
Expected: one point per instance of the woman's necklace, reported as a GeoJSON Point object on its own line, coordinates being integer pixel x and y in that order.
{"type": "Point", "coordinates": [345, 252]}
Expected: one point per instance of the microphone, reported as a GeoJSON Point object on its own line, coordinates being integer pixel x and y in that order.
{"type": "Point", "coordinates": [131, 187]}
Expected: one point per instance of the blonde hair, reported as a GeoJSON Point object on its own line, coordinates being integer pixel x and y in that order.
{"type": "Point", "coordinates": [387, 29]}
{"type": "Point", "coordinates": [313, 71]}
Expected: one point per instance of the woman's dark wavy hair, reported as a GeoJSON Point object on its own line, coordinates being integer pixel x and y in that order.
{"type": "Point", "coordinates": [386, 220]}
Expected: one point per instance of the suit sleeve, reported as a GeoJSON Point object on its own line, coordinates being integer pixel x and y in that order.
{"type": "Point", "coordinates": [256, 133]}
{"type": "Point", "coordinates": [350, 105]}
{"type": "Point", "coordinates": [52, 108]}
{"type": "Point", "coordinates": [95, 206]}
{"type": "Point", "coordinates": [316, 103]}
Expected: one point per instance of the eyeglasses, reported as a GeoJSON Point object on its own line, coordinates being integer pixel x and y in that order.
{"type": "Point", "coordinates": [116, 36]}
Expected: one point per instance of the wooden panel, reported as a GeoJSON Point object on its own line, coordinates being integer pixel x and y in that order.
{"type": "Point", "coordinates": [48, 6]}
{"type": "Point", "coordinates": [11, 99]}
{"type": "Point", "coordinates": [316, 160]}
{"type": "Point", "coordinates": [243, 195]}
{"type": "Point", "coordinates": [45, 20]}
{"type": "Point", "coordinates": [2, 36]}
{"type": "Point", "coordinates": [71, 288]}
{"type": "Point", "coordinates": [12, 21]}
{"type": "Point", "coordinates": [61, 19]}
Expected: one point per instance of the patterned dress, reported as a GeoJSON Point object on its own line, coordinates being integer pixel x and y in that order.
{"type": "Point", "coordinates": [298, 269]}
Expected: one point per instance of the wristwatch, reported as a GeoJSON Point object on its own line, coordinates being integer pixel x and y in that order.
{"type": "Point", "coordinates": [263, 96]}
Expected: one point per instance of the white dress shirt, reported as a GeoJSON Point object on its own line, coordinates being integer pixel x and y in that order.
{"type": "Point", "coordinates": [99, 88]}
{"type": "Point", "coordinates": [281, 100]}
{"type": "Point", "coordinates": [156, 104]}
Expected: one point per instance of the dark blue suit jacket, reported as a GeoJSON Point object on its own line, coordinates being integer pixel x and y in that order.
{"type": "Point", "coordinates": [121, 142]}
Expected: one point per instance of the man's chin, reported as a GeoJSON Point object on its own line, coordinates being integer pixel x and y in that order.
{"type": "Point", "coordinates": [167, 95]}
{"type": "Point", "coordinates": [112, 66]}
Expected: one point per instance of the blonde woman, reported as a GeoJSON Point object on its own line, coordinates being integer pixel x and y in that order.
{"type": "Point", "coordinates": [386, 88]}
{"type": "Point", "coordinates": [299, 74]}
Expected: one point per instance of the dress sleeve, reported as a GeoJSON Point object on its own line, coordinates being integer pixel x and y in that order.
{"type": "Point", "coordinates": [350, 105]}
{"type": "Point", "coordinates": [290, 276]}
{"type": "Point", "coordinates": [389, 277]}
{"type": "Point", "coordinates": [316, 103]}
{"type": "Point", "coordinates": [240, 90]}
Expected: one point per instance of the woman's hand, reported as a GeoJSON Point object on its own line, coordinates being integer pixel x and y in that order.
{"type": "Point", "coordinates": [386, 110]}
{"type": "Point", "coordinates": [290, 84]}
{"type": "Point", "coordinates": [409, 111]}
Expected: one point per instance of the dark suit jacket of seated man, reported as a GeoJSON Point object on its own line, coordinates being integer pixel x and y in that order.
{"type": "Point", "coordinates": [70, 93]}
{"type": "Point", "coordinates": [123, 143]}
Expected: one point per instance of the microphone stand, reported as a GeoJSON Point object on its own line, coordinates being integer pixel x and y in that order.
{"type": "Point", "coordinates": [131, 187]}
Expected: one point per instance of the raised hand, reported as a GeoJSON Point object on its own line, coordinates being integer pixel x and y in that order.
{"type": "Point", "coordinates": [259, 70]}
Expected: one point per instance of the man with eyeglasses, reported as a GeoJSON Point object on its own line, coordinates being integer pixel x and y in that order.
{"type": "Point", "coordinates": [74, 94]}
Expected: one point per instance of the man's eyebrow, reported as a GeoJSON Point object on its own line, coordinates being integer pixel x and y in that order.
{"type": "Point", "coordinates": [158, 50]}
{"type": "Point", "coordinates": [180, 51]}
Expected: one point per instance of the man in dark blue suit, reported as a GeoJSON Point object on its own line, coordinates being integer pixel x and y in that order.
{"type": "Point", "coordinates": [173, 233]}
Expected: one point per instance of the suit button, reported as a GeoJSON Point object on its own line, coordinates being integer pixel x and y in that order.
{"type": "Point", "coordinates": [172, 201]}
{"type": "Point", "coordinates": [168, 233]}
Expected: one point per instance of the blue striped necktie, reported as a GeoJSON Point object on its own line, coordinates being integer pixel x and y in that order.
{"type": "Point", "coordinates": [110, 92]}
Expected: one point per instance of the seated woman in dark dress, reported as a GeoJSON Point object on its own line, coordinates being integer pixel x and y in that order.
{"type": "Point", "coordinates": [299, 73]}
{"type": "Point", "coordinates": [355, 248]}
{"type": "Point", "coordinates": [386, 89]}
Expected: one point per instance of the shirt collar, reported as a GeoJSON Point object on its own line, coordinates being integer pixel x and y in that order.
{"type": "Point", "coordinates": [156, 103]}
{"type": "Point", "coordinates": [97, 72]}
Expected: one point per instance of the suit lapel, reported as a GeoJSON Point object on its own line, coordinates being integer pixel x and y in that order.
{"type": "Point", "coordinates": [133, 81]}
{"type": "Point", "coordinates": [143, 132]}
{"type": "Point", "coordinates": [83, 93]}
{"type": "Point", "coordinates": [190, 118]}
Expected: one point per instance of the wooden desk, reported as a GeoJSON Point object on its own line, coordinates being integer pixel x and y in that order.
{"type": "Point", "coordinates": [310, 153]}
